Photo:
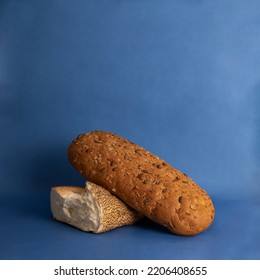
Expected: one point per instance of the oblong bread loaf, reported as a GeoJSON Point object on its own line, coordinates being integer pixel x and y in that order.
{"type": "Point", "coordinates": [90, 209]}
{"type": "Point", "coordinates": [143, 181]}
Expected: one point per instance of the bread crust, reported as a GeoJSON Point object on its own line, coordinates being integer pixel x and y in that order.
{"type": "Point", "coordinates": [143, 181]}
{"type": "Point", "coordinates": [114, 212]}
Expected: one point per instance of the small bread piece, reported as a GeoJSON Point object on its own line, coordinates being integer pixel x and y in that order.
{"type": "Point", "coordinates": [90, 209]}
{"type": "Point", "coordinates": [143, 181]}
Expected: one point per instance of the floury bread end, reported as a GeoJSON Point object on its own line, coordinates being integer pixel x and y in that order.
{"type": "Point", "coordinates": [91, 209]}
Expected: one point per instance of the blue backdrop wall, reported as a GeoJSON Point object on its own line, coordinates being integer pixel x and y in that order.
{"type": "Point", "coordinates": [180, 78]}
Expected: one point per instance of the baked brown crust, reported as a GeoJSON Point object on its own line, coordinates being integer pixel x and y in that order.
{"type": "Point", "coordinates": [143, 181]}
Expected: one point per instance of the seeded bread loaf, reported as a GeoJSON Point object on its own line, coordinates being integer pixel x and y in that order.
{"type": "Point", "coordinates": [143, 181]}
{"type": "Point", "coordinates": [90, 209]}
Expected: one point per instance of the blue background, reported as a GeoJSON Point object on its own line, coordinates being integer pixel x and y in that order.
{"type": "Point", "coordinates": [178, 77]}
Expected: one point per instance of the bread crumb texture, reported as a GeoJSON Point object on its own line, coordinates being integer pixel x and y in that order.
{"type": "Point", "coordinates": [143, 181]}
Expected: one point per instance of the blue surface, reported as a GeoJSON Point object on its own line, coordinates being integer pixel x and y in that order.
{"type": "Point", "coordinates": [180, 78]}
{"type": "Point", "coordinates": [29, 232]}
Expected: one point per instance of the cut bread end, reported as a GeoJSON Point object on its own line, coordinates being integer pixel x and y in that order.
{"type": "Point", "coordinates": [91, 209]}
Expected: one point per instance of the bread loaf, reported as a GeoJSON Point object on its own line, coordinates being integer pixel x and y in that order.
{"type": "Point", "coordinates": [90, 209]}
{"type": "Point", "coordinates": [143, 181]}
